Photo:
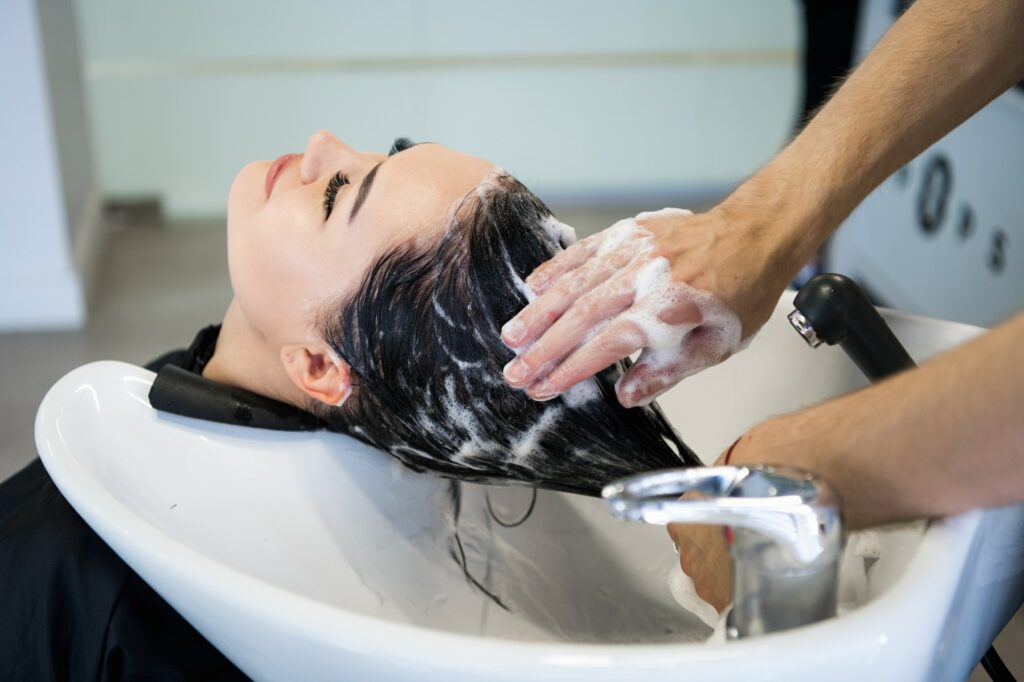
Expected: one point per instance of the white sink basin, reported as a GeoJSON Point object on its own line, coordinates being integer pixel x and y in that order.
{"type": "Point", "coordinates": [314, 557]}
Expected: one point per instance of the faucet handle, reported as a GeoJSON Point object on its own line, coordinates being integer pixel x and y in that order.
{"type": "Point", "coordinates": [799, 512]}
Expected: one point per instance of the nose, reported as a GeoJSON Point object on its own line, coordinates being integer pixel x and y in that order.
{"type": "Point", "coordinates": [325, 153]}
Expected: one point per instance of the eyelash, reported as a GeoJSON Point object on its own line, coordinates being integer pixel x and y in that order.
{"type": "Point", "coordinates": [337, 181]}
{"type": "Point", "coordinates": [400, 145]}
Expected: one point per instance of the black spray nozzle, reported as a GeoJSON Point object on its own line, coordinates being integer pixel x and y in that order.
{"type": "Point", "coordinates": [832, 309]}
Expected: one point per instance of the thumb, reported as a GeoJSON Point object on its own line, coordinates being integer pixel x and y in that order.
{"type": "Point", "coordinates": [656, 370]}
{"type": "Point", "coordinates": [649, 377]}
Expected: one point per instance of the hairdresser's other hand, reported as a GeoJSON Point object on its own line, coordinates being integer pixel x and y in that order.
{"type": "Point", "coordinates": [583, 319]}
{"type": "Point", "coordinates": [704, 556]}
{"type": "Point", "coordinates": [703, 553]}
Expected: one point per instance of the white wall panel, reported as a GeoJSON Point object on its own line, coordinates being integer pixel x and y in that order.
{"type": "Point", "coordinates": [594, 101]}
{"type": "Point", "coordinates": [199, 29]}
{"type": "Point", "coordinates": [39, 284]}
{"type": "Point", "coordinates": [944, 236]}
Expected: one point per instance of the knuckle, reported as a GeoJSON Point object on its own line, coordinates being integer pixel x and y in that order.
{"type": "Point", "coordinates": [627, 333]}
{"type": "Point", "coordinates": [586, 308]}
{"type": "Point", "coordinates": [567, 289]}
{"type": "Point", "coordinates": [562, 377]}
{"type": "Point", "coordinates": [589, 243]}
{"type": "Point", "coordinates": [537, 353]}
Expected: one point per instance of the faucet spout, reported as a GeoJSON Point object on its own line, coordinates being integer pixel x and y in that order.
{"type": "Point", "coordinates": [787, 540]}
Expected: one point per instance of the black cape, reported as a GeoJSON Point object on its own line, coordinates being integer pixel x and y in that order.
{"type": "Point", "coordinates": [70, 608]}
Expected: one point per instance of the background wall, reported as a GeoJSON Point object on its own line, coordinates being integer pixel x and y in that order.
{"type": "Point", "coordinates": [70, 127]}
{"type": "Point", "coordinates": [48, 194]}
{"type": "Point", "coordinates": [594, 101]}
{"type": "Point", "coordinates": [943, 236]}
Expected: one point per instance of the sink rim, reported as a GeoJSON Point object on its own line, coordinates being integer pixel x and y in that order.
{"type": "Point", "coordinates": [138, 541]}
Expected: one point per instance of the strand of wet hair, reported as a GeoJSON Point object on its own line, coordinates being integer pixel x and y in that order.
{"type": "Point", "coordinates": [460, 558]}
{"type": "Point", "coordinates": [510, 524]}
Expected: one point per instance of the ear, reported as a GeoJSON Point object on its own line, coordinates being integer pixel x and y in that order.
{"type": "Point", "coordinates": [318, 373]}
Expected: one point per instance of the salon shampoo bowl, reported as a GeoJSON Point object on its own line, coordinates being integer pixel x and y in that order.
{"type": "Point", "coordinates": [313, 557]}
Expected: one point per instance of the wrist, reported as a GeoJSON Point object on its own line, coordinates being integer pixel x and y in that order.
{"type": "Point", "coordinates": [774, 441]}
{"type": "Point", "coordinates": [772, 224]}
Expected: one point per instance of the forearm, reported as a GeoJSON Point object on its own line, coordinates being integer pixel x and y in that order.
{"type": "Point", "coordinates": [940, 63]}
{"type": "Point", "coordinates": [940, 439]}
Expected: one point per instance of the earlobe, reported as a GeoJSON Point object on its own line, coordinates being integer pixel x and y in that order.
{"type": "Point", "coordinates": [318, 373]}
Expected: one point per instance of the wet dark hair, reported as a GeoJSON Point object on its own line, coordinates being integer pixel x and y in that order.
{"type": "Point", "coordinates": [422, 336]}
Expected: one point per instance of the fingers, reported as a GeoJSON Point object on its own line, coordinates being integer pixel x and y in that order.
{"type": "Point", "coordinates": [645, 380]}
{"type": "Point", "coordinates": [652, 374]}
{"type": "Point", "coordinates": [585, 315]}
{"type": "Point", "coordinates": [546, 274]}
{"type": "Point", "coordinates": [535, 319]}
{"type": "Point", "coordinates": [618, 339]}
{"type": "Point", "coordinates": [668, 217]}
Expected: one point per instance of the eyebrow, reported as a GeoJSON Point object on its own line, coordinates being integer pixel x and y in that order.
{"type": "Point", "coordinates": [400, 145]}
{"type": "Point", "coordinates": [364, 189]}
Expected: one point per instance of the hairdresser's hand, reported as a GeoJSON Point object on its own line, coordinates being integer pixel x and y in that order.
{"type": "Point", "coordinates": [704, 557]}
{"type": "Point", "coordinates": [588, 313]}
{"type": "Point", "coordinates": [703, 553]}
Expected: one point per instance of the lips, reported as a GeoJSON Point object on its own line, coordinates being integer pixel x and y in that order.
{"type": "Point", "coordinates": [276, 169]}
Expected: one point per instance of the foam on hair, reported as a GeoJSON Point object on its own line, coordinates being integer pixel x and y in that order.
{"type": "Point", "coordinates": [422, 336]}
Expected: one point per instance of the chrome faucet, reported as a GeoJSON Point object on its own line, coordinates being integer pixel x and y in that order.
{"type": "Point", "coordinates": [785, 535]}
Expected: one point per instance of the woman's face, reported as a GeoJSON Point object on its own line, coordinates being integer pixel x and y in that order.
{"type": "Point", "coordinates": [288, 260]}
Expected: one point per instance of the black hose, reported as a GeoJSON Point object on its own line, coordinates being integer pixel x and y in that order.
{"type": "Point", "coordinates": [995, 667]}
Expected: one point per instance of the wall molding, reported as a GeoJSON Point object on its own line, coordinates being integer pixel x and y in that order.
{"type": "Point", "coordinates": [145, 68]}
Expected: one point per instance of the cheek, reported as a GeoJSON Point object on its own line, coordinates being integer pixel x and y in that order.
{"type": "Point", "coordinates": [271, 279]}
{"type": "Point", "coordinates": [269, 264]}
{"type": "Point", "coordinates": [243, 209]}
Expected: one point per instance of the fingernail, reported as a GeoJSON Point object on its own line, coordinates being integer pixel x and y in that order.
{"type": "Point", "coordinates": [627, 394]}
{"type": "Point", "coordinates": [515, 371]}
{"type": "Point", "coordinates": [535, 281]}
{"type": "Point", "coordinates": [543, 391]}
{"type": "Point", "coordinates": [513, 332]}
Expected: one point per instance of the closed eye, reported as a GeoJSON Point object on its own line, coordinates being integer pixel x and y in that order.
{"type": "Point", "coordinates": [337, 181]}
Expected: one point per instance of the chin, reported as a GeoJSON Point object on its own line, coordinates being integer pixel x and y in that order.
{"type": "Point", "coordinates": [240, 205]}
{"type": "Point", "coordinates": [247, 190]}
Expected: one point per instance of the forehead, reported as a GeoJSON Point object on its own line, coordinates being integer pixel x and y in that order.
{"type": "Point", "coordinates": [414, 191]}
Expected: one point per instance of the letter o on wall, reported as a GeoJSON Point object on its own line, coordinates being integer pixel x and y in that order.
{"type": "Point", "coordinates": [936, 185]}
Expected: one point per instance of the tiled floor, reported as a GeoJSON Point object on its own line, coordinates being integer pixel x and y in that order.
{"type": "Point", "coordinates": [156, 287]}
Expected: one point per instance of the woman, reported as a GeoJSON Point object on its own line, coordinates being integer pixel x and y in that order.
{"type": "Point", "coordinates": [369, 289]}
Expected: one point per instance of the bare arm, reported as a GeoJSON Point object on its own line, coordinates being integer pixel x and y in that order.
{"type": "Point", "coordinates": [941, 62]}
{"type": "Point", "coordinates": [938, 65]}
{"type": "Point", "coordinates": [937, 440]}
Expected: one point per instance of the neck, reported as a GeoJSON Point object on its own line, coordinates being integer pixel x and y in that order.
{"type": "Point", "coordinates": [244, 358]}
